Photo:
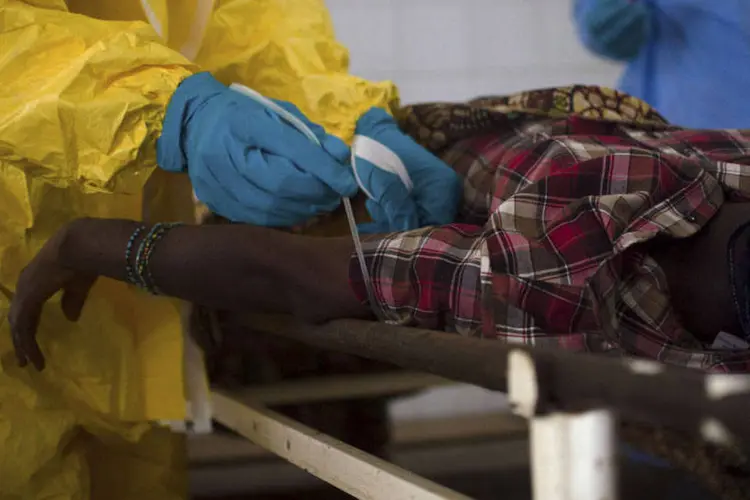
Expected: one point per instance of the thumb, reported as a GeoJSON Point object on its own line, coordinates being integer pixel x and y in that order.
{"type": "Point", "coordinates": [74, 296]}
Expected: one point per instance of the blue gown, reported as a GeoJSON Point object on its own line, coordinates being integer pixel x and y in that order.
{"type": "Point", "coordinates": [690, 59]}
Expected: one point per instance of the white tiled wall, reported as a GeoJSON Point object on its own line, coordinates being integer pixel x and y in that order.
{"type": "Point", "coordinates": [458, 49]}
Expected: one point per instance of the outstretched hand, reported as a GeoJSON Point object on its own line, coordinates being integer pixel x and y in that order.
{"type": "Point", "coordinates": [40, 280]}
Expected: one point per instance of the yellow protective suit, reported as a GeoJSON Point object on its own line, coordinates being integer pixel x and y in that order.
{"type": "Point", "coordinates": [81, 103]}
{"type": "Point", "coordinates": [284, 49]}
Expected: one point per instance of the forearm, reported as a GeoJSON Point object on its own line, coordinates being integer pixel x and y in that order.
{"type": "Point", "coordinates": [233, 267]}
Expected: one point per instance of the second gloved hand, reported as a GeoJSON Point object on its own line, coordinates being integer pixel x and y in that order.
{"type": "Point", "coordinates": [427, 193]}
{"type": "Point", "coordinates": [617, 29]}
{"type": "Point", "coordinates": [246, 163]}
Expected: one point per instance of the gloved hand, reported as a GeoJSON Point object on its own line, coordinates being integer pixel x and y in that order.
{"type": "Point", "coordinates": [617, 29]}
{"type": "Point", "coordinates": [246, 163]}
{"type": "Point", "coordinates": [436, 188]}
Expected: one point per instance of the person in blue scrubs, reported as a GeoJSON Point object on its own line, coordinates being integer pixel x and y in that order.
{"type": "Point", "coordinates": [690, 59]}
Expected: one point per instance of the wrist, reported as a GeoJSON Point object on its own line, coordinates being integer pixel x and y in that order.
{"type": "Point", "coordinates": [67, 242]}
{"type": "Point", "coordinates": [95, 246]}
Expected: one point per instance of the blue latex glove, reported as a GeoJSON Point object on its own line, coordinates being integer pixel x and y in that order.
{"type": "Point", "coordinates": [617, 29]}
{"type": "Point", "coordinates": [436, 190]}
{"type": "Point", "coordinates": [245, 163]}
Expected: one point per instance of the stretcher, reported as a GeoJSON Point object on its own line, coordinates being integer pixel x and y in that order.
{"type": "Point", "coordinates": [570, 401]}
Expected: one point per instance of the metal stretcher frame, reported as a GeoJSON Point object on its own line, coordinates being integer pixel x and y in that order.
{"type": "Point", "coordinates": [571, 402]}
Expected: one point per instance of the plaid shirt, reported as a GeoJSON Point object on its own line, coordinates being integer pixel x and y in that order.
{"type": "Point", "coordinates": [544, 253]}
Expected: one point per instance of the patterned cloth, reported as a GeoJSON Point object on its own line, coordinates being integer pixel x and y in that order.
{"type": "Point", "coordinates": [436, 126]}
{"type": "Point", "coordinates": [559, 197]}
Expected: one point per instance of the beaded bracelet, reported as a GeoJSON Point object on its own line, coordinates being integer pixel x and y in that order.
{"type": "Point", "coordinates": [143, 277]}
{"type": "Point", "coordinates": [129, 269]}
{"type": "Point", "coordinates": [146, 260]}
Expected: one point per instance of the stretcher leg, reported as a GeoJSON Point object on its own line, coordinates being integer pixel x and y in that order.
{"type": "Point", "coordinates": [574, 456]}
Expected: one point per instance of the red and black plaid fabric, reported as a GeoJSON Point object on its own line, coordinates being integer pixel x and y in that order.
{"type": "Point", "coordinates": [547, 251]}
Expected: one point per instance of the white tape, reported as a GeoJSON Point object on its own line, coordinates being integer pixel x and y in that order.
{"type": "Point", "coordinates": [363, 147]}
{"type": "Point", "coordinates": [284, 114]}
{"type": "Point", "coordinates": [372, 150]}
{"type": "Point", "coordinates": [382, 157]}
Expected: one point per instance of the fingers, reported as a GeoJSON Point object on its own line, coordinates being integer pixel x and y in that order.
{"type": "Point", "coordinates": [36, 284]}
{"type": "Point", "coordinates": [332, 171]}
{"type": "Point", "coordinates": [24, 321]}
{"type": "Point", "coordinates": [74, 297]}
{"type": "Point", "coordinates": [26, 312]}
{"type": "Point", "coordinates": [258, 202]}
{"type": "Point", "coordinates": [284, 140]}
{"type": "Point", "coordinates": [332, 144]}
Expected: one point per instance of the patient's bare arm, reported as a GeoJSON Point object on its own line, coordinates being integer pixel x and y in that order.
{"type": "Point", "coordinates": [232, 267]}
{"type": "Point", "coordinates": [241, 268]}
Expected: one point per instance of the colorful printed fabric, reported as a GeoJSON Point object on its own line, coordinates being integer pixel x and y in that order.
{"type": "Point", "coordinates": [436, 126]}
{"type": "Point", "coordinates": [547, 250]}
